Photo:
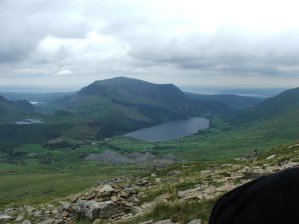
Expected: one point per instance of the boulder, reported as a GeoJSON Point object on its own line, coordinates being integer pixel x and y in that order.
{"type": "Point", "coordinates": [96, 210]}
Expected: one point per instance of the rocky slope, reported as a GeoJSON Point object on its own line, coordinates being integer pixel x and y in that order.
{"type": "Point", "coordinates": [180, 193]}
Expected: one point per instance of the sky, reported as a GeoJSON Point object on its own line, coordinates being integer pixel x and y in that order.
{"type": "Point", "coordinates": [65, 45]}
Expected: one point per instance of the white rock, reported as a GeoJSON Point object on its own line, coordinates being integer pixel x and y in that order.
{"type": "Point", "coordinates": [107, 188]}
{"type": "Point", "coordinates": [271, 157]}
{"type": "Point", "coordinates": [5, 217]}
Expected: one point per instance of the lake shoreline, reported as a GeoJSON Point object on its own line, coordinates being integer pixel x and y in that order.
{"type": "Point", "coordinates": [171, 130]}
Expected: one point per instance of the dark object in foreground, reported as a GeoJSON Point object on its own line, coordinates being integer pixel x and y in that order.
{"type": "Point", "coordinates": [269, 199]}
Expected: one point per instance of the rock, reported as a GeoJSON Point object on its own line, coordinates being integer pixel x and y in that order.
{"type": "Point", "coordinates": [26, 222]}
{"type": "Point", "coordinates": [50, 206]}
{"type": "Point", "coordinates": [147, 222]}
{"type": "Point", "coordinates": [154, 175]}
{"type": "Point", "coordinates": [107, 188]}
{"type": "Point", "coordinates": [48, 221]}
{"type": "Point", "coordinates": [271, 157]}
{"type": "Point", "coordinates": [93, 210]}
{"type": "Point", "coordinates": [166, 221]}
{"type": "Point", "coordinates": [97, 221]}
{"type": "Point", "coordinates": [158, 180]}
{"type": "Point", "coordinates": [55, 211]}
{"type": "Point", "coordinates": [74, 198]}
{"type": "Point", "coordinates": [19, 218]}
{"type": "Point", "coordinates": [114, 199]}
{"type": "Point", "coordinates": [195, 221]}
{"type": "Point", "coordinates": [128, 204]}
{"type": "Point", "coordinates": [174, 173]}
{"type": "Point", "coordinates": [206, 172]}
{"type": "Point", "coordinates": [29, 209]}
{"type": "Point", "coordinates": [5, 217]}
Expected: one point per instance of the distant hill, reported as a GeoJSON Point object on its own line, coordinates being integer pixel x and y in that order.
{"type": "Point", "coordinates": [284, 105]}
{"type": "Point", "coordinates": [123, 104]}
{"type": "Point", "coordinates": [14, 108]}
{"type": "Point", "coordinates": [33, 96]}
{"type": "Point", "coordinates": [233, 101]}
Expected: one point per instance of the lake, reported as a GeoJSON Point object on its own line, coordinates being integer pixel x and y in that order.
{"type": "Point", "coordinates": [171, 130]}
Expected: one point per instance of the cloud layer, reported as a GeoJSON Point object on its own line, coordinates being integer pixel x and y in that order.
{"type": "Point", "coordinates": [68, 44]}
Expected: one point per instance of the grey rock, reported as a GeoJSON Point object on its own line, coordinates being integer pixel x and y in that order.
{"type": "Point", "coordinates": [195, 221]}
{"type": "Point", "coordinates": [109, 157]}
{"type": "Point", "coordinates": [26, 222]}
{"type": "Point", "coordinates": [166, 221]}
{"type": "Point", "coordinates": [19, 218]}
{"type": "Point", "coordinates": [107, 188]}
{"type": "Point", "coordinates": [271, 157]}
{"type": "Point", "coordinates": [147, 222]}
{"type": "Point", "coordinates": [174, 173]}
{"type": "Point", "coordinates": [93, 210]}
{"type": "Point", "coordinates": [48, 221]}
{"type": "Point", "coordinates": [5, 217]}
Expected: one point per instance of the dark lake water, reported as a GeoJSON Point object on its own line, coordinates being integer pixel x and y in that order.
{"type": "Point", "coordinates": [171, 130]}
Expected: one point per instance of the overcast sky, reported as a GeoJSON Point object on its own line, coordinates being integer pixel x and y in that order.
{"type": "Point", "coordinates": [66, 44]}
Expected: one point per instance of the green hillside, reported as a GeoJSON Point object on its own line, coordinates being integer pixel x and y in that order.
{"type": "Point", "coordinates": [231, 100]}
{"type": "Point", "coordinates": [282, 105]}
{"type": "Point", "coordinates": [10, 110]}
{"type": "Point", "coordinates": [122, 104]}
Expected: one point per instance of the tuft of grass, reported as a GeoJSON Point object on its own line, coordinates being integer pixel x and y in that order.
{"type": "Point", "coordinates": [181, 212]}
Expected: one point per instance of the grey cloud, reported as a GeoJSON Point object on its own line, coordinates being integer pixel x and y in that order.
{"type": "Point", "coordinates": [222, 52]}
{"type": "Point", "coordinates": [141, 43]}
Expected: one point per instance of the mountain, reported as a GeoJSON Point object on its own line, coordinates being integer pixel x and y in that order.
{"type": "Point", "coordinates": [123, 104]}
{"type": "Point", "coordinates": [233, 101]}
{"type": "Point", "coordinates": [283, 106]}
{"type": "Point", "coordinates": [14, 108]}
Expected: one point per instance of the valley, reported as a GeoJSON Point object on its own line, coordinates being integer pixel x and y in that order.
{"type": "Point", "coordinates": [51, 150]}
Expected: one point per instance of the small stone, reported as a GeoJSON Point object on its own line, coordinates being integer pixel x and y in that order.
{"type": "Point", "coordinates": [26, 222]}
{"type": "Point", "coordinates": [123, 194]}
{"type": "Point", "coordinates": [158, 180]}
{"type": "Point", "coordinates": [114, 199]}
{"type": "Point", "coordinates": [107, 188]}
{"type": "Point", "coordinates": [154, 175]}
{"type": "Point", "coordinates": [206, 172]}
{"type": "Point", "coordinates": [271, 157]}
{"type": "Point", "coordinates": [147, 222]}
{"type": "Point", "coordinates": [174, 173]}
{"type": "Point", "coordinates": [128, 204]}
{"type": "Point", "coordinates": [74, 198]}
{"type": "Point", "coordinates": [55, 211]}
{"type": "Point", "coordinates": [166, 221]}
{"type": "Point", "coordinates": [195, 221]}
{"type": "Point", "coordinates": [97, 221]}
{"type": "Point", "coordinates": [29, 209]}
{"type": "Point", "coordinates": [19, 218]}
{"type": "Point", "coordinates": [48, 221]}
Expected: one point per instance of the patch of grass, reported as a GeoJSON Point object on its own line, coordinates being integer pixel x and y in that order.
{"type": "Point", "coordinates": [178, 212]}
